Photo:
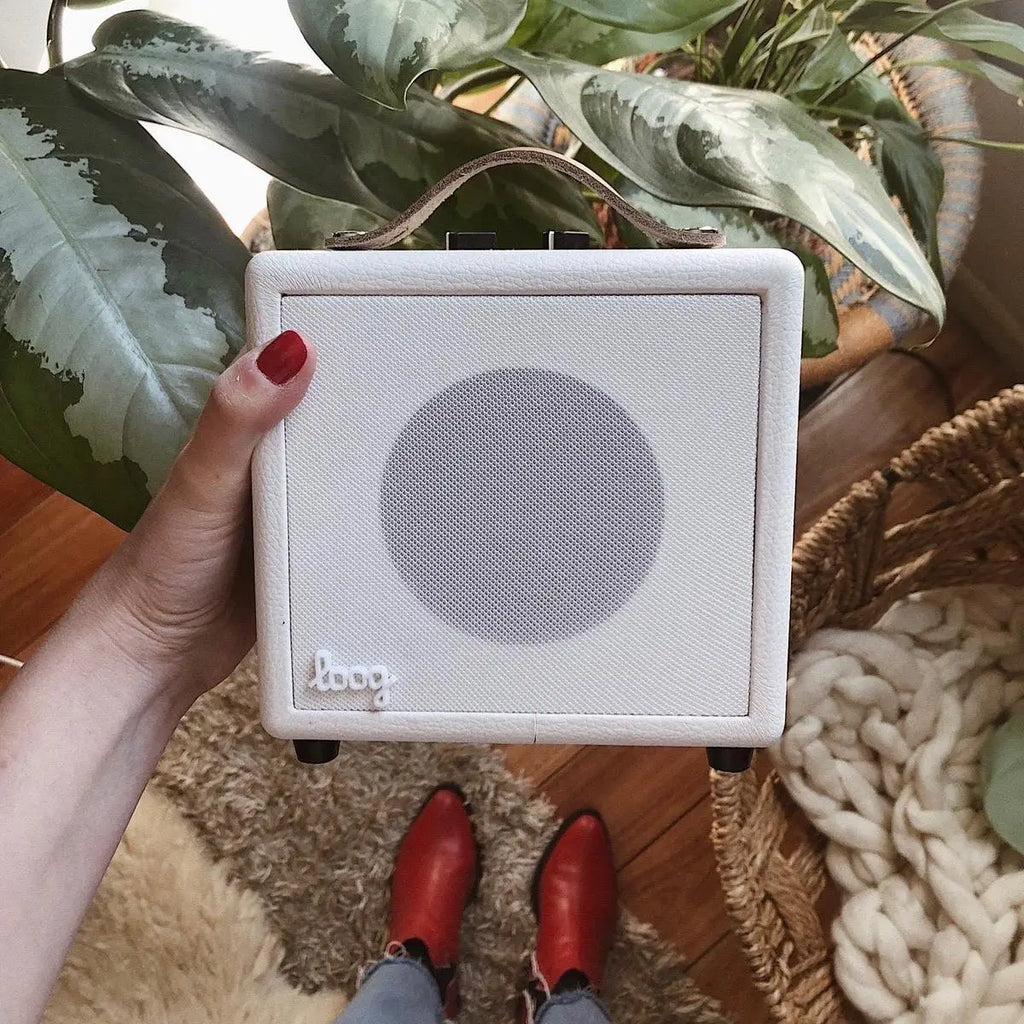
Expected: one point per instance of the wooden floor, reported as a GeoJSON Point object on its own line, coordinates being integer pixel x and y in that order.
{"type": "Point", "coordinates": [655, 800]}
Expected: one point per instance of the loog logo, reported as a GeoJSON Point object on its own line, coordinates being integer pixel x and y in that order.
{"type": "Point", "coordinates": [330, 677]}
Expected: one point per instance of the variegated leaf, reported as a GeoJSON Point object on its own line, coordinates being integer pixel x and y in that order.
{"type": "Point", "coordinates": [309, 129]}
{"type": "Point", "coordinates": [742, 231]}
{"type": "Point", "coordinates": [653, 15]}
{"type": "Point", "coordinates": [120, 297]}
{"type": "Point", "coordinates": [909, 164]}
{"type": "Point", "coordinates": [833, 62]}
{"type": "Point", "coordinates": [551, 27]}
{"type": "Point", "coordinates": [716, 146]}
{"type": "Point", "coordinates": [299, 220]}
{"type": "Point", "coordinates": [379, 47]}
{"type": "Point", "coordinates": [913, 173]}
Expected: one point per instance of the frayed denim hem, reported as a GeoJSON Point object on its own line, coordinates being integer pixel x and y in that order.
{"type": "Point", "coordinates": [577, 1006]}
{"type": "Point", "coordinates": [396, 990]}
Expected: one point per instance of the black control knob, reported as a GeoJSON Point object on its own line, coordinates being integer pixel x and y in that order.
{"type": "Point", "coordinates": [567, 239]}
{"type": "Point", "coordinates": [317, 751]}
{"type": "Point", "coordinates": [458, 240]}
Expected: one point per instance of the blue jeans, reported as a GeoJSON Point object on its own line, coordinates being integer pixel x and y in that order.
{"type": "Point", "coordinates": [400, 990]}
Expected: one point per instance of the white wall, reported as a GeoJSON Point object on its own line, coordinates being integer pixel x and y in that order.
{"type": "Point", "coordinates": [23, 41]}
{"type": "Point", "coordinates": [235, 187]}
{"type": "Point", "coordinates": [989, 292]}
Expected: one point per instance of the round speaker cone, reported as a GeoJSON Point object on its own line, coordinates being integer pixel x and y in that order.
{"type": "Point", "coordinates": [522, 505]}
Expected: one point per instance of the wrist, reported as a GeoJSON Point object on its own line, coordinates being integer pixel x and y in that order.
{"type": "Point", "coordinates": [100, 637]}
{"type": "Point", "coordinates": [99, 708]}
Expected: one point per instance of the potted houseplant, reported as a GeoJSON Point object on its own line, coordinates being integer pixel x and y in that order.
{"type": "Point", "coordinates": [121, 288]}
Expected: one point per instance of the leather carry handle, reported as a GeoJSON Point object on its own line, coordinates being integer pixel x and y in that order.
{"type": "Point", "coordinates": [414, 215]}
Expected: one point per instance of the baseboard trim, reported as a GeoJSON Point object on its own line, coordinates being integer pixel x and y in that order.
{"type": "Point", "coordinates": [999, 327]}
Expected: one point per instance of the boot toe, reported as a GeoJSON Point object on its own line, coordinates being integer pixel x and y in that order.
{"type": "Point", "coordinates": [588, 829]}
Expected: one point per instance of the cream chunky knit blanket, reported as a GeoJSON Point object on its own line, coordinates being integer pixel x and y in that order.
{"type": "Point", "coordinates": [884, 733]}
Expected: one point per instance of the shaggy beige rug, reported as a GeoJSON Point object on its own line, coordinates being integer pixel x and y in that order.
{"type": "Point", "coordinates": [262, 909]}
{"type": "Point", "coordinates": [169, 940]}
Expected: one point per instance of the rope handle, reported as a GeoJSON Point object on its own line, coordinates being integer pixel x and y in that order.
{"type": "Point", "coordinates": [414, 215]}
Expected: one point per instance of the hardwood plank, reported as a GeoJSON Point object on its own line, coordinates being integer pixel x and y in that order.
{"type": "Point", "coordinates": [673, 885]}
{"type": "Point", "coordinates": [536, 762]}
{"type": "Point", "coordinates": [876, 412]}
{"type": "Point", "coordinates": [8, 672]}
{"type": "Point", "coordinates": [640, 791]}
{"type": "Point", "coordinates": [835, 450]}
{"type": "Point", "coordinates": [971, 369]}
{"type": "Point", "coordinates": [722, 973]}
{"type": "Point", "coordinates": [47, 556]}
{"type": "Point", "coordinates": [19, 493]}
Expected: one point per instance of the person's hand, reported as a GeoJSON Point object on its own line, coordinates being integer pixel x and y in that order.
{"type": "Point", "coordinates": [177, 599]}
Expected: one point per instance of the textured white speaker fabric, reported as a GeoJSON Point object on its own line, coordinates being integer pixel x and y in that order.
{"type": "Point", "coordinates": [529, 496]}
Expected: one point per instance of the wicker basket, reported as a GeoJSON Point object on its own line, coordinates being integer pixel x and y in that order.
{"type": "Point", "coordinates": [847, 571]}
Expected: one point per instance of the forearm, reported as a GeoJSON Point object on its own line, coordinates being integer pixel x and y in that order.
{"type": "Point", "coordinates": [80, 733]}
{"type": "Point", "coordinates": [84, 723]}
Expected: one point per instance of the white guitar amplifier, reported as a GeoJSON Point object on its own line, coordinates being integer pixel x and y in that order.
{"type": "Point", "coordinates": [530, 496]}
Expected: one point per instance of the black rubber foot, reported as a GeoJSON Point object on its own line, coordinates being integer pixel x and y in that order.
{"type": "Point", "coordinates": [730, 759]}
{"type": "Point", "coordinates": [317, 751]}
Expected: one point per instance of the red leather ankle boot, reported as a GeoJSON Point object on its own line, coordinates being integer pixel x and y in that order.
{"type": "Point", "coordinates": [436, 874]}
{"type": "Point", "coordinates": [575, 898]}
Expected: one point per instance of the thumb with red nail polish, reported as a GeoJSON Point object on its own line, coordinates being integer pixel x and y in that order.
{"type": "Point", "coordinates": [283, 358]}
{"type": "Point", "coordinates": [179, 593]}
{"type": "Point", "coordinates": [254, 394]}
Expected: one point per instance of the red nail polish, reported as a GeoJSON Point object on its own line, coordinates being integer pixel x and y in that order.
{"type": "Point", "coordinates": [283, 357]}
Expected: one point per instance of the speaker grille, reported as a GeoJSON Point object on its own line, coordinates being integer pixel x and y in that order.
{"type": "Point", "coordinates": [522, 505]}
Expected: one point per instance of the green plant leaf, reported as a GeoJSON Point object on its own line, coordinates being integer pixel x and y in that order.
{"type": "Point", "coordinates": [741, 38]}
{"type": "Point", "coordinates": [908, 163]}
{"type": "Point", "coordinates": [551, 27]}
{"type": "Point", "coordinates": [299, 220]}
{"type": "Point", "coordinates": [121, 298]}
{"type": "Point", "coordinates": [833, 62]}
{"type": "Point", "coordinates": [309, 129]}
{"type": "Point", "coordinates": [716, 146]}
{"type": "Point", "coordinates": [1006, 147]}
{"type": "Point", "coordinates": [1001, 779]}
{"type": "Point", "coordinates": [810, 27]}
{"type": "Point", "coordinates": [913, 173]}
{"type": "Point", "coordinates": [653, 15]}
{"type": "Point", "coordinates": [379, 47]}
{"type": "Point", "coordinates": [743, 231]}
{"type": "Point", "coordinates": [993, 36]}
{"type": "Point", "coordinates": [466, 82]}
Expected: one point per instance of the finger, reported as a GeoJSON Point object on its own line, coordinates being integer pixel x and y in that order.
{"type": "Point", "coordinates": [249, 398]}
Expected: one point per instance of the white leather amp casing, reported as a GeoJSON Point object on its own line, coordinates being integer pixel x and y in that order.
{"type": "Point", "coordinates": [531, 496]}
